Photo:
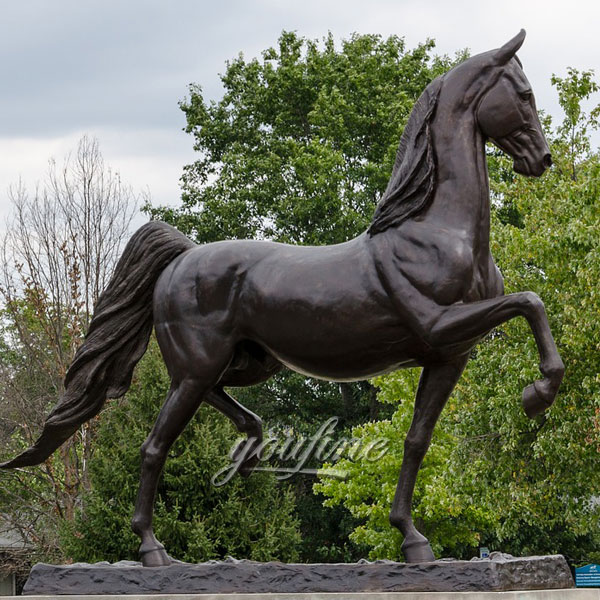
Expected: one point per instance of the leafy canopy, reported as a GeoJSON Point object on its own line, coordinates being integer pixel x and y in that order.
{"type": "Point", "coordinates": [301, 145]}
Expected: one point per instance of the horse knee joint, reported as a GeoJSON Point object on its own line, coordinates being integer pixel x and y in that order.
{"type": "Point", "coordinates": [533, 302]}
{"type": "Point", "coordinates": [151, 454]}
{"type": "Point", "coordinates": [414, 441]}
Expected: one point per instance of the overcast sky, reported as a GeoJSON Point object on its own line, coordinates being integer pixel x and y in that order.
{"type": "Point", "coordinates": [116, 69]}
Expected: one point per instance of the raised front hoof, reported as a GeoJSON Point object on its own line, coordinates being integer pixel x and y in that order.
{"type": "Point", "coordinates": [155, 556]}
{"type": "Point", "coordinates": [417, 551]}
{"type": "Point", "coordinates": [536, 399]}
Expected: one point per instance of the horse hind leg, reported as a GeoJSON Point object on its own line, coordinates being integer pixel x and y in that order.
{"type": "Point", "coordinates": [184, 398]}
{"type": "Point", "coordinates": [245, 421]}
{"type": "Point", "coordinates": [251, 365]}
{"type": "Point", "coordinates": [435, 387]}
{"type": "Point", "coordinates": [182, 401]}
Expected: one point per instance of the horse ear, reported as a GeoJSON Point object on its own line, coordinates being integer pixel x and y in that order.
{"type": "Point", "coordinates": [504, 54]}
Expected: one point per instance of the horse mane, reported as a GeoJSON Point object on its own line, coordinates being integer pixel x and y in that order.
{"type": "Point", "coordinates": [412, 183]}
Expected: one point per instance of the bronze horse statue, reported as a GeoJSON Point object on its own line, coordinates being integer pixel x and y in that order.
{"type": "Point", "coordinates": [418, 288]}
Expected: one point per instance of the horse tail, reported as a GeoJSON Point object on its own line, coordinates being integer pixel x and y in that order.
{"type": "Point", "coordinates": [117, 338]}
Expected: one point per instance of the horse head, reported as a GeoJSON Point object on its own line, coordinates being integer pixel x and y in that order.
{"type": "Point", "coordinates": [507, 114]}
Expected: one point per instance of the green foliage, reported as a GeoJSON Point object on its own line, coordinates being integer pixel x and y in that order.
{"type": "Point", "coordinates": [520, 486]}
{"type": "Point", "coordinates": [293, 400]}
{"type": "Point", "coordinates": [197, 521]}
{"type": "Point", "coordinates": [544, 472]}
{"type": "Point", "coordinates": [574, 131]}
{"type": "Point", "coordinates": [300, 147]}
{"type": "Point", "coordinates": [325, 530]}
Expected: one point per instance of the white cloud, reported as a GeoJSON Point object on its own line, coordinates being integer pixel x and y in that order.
{"type": "Point", "coordinates": [117, 70]}
{"type": "Point", "coordinates": [149, 160]}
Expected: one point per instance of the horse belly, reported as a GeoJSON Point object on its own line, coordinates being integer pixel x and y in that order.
{"type": "Point", "coordinates": [349, 368]}
{"type": "Point", "coordinates": [338, 343]}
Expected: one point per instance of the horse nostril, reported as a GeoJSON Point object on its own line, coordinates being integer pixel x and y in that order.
{"type": "Point", "coordinates": [547, 160]}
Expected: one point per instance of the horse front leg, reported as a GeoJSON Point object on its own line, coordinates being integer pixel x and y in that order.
{"type": "Point", "coordinates": [435, 386]}
{"type": "Point", "coordinates": [462, 322]}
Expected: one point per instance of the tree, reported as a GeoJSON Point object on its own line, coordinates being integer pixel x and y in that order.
{"type": "Point", "coordinates": [299, 149]}
{"type": "Point", "coordinates": [520, 486]}
{"type": "Point", "coordinates": [545, 475]}
{"type": "Point", "coordinates": [444, 513]}
{"type": "Point", "coordinates": [59, 250]}
{"type": "Point", "coordinates": [576, 125]}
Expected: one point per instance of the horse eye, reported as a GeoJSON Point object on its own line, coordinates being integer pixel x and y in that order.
{"type": "Point", "coordinates": [526, 96]}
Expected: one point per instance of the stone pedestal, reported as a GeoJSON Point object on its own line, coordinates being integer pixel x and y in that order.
{"type": "Point", "coordinates": [500, 572]}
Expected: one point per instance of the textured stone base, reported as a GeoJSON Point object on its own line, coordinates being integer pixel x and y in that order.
{"type": "Point", "coordinates": [499, 573]}
{"type": "Point", "coordinates": [568, 594]}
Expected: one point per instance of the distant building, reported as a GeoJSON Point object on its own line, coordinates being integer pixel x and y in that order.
{"type": "Point", "coordinates": [13, 561]}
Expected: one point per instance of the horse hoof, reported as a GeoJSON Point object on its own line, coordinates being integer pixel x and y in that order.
{"type": "Point", "coordinates": [533, 402]}
{"type": "Point", "coordinates": [155, 557]}
{"type": "Point", "coordinates": [417, 551]}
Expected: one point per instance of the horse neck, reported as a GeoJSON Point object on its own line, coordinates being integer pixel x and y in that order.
{"type": "Point", "coordinates": [461, 199]}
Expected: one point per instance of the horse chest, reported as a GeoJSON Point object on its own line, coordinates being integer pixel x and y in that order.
{"type": "Point", "coordinates": [444, 269]}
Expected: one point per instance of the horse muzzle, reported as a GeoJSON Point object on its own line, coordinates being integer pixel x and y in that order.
{"type": "Point", "coordinates": [526, 165]}
{"type": "Point", "coordinates": [530, 152]}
